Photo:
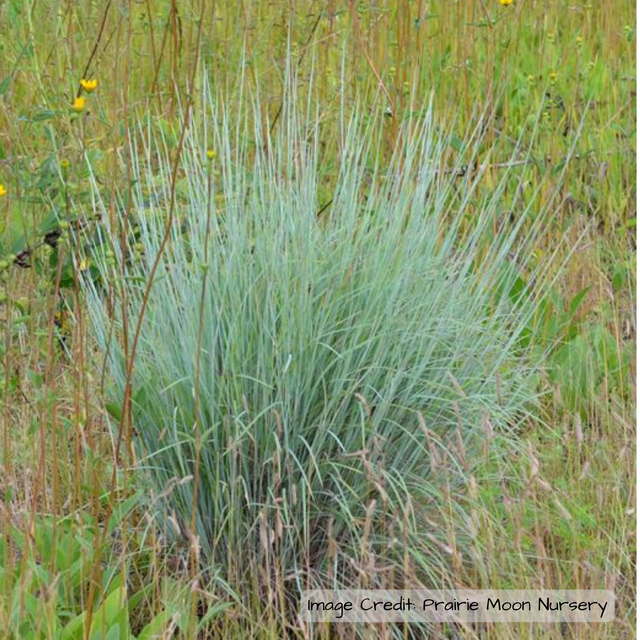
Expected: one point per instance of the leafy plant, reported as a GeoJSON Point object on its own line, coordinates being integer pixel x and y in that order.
{"type": "Point", "coordinates": [580, 356]}
{"type": "Point", "coordinates": [46, 586]}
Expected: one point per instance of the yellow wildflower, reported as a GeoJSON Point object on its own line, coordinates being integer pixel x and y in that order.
{"type": "Point", "coordinates": [506, 3]}
{"type": "Point", "coordinates": [78, 104]}
{"type": "Point", "coordinates": [89, 85]}
{"type": "Point", "coordinates": [3, 191]}
{"type": "Point", "coordinates": [211, 154]}
{"type": "Point", "coordinates": [61, 320]}
{"type": "Point", "coordinates": [553, 76]}
{"type": "Point", "coordinates": [84, 264]}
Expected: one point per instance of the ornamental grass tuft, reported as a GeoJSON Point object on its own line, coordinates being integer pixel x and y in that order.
{"type": "Point", "coordinates": [321, 341]}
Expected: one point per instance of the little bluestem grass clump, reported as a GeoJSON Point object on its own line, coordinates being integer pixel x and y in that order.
{"type": "Point", "coordinates": [305, 364]}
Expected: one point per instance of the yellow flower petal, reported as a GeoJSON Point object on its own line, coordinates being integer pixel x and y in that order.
{"type": "Point", "coordinates": [89, 85]}
{"type": "Point", "coordinates": [78, 104]}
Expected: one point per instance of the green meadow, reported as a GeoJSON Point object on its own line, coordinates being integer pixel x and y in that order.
{"type": "Point", "coordinates": [301, 295]}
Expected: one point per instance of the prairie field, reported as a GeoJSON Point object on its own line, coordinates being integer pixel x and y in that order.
{"type": "Point", "coordinates": [313, 295]}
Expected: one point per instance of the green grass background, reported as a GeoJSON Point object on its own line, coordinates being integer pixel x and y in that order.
{"type": "Point", "coordinates": [561, 512]}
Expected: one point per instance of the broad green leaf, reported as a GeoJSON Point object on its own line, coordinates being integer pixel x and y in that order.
{"type": "Point", "coordinates": [74, 628]}
{"type": "Point", "coordinates": [577, 300]}
{"type": "Point", "coordinates": [114, 633]}
{"type": "Point", "coordinates": [156, 627]}
{"type": "Point", "coordinates": [112, 611]}
{"type": "Point", "coordinates": [122, 510]}
{"type": "Point", "coordinates": [114, 410]}
{"type": "Point", "coordinates": [212, 612]}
